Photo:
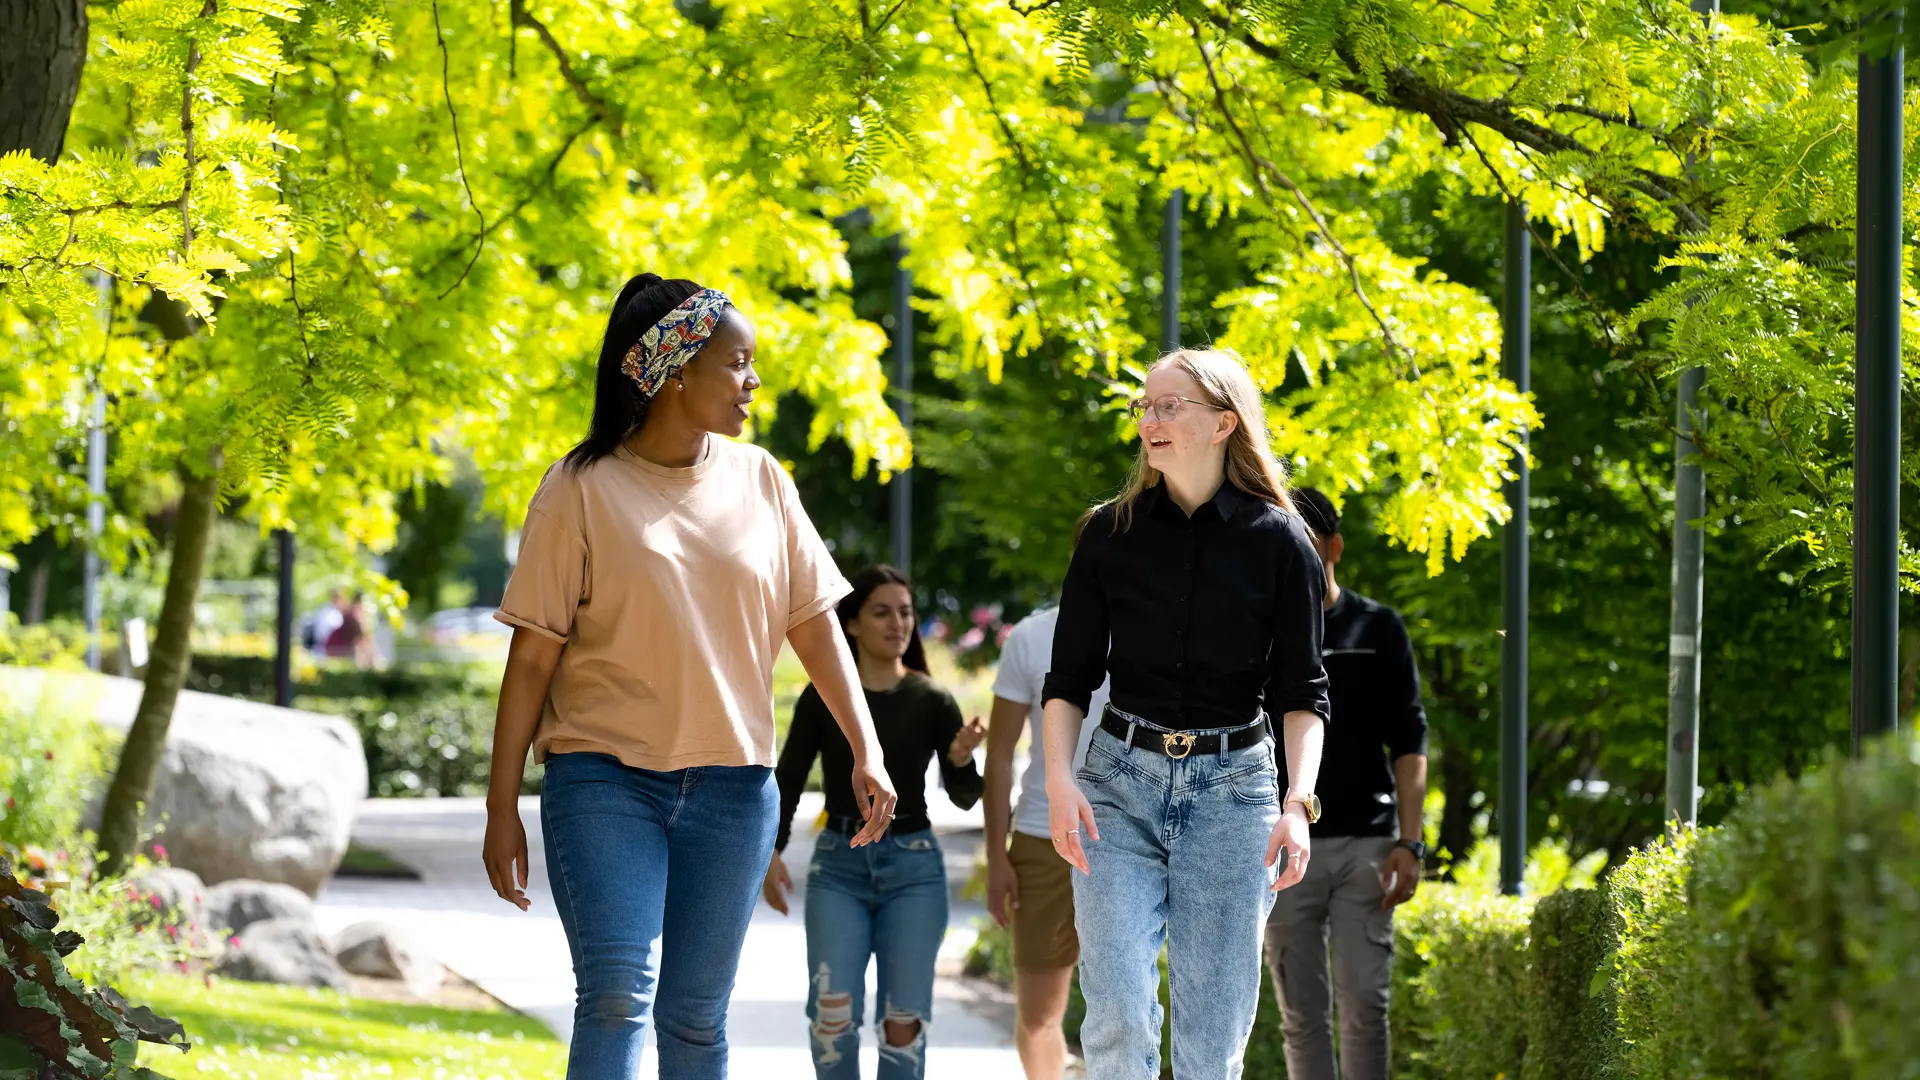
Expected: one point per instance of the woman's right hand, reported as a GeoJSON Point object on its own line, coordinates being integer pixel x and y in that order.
{"type": "Point", "coordinates": [873, 794]}
{"type": "Point", "coordinates": [505, 854]}
{"type": "Point", "coordinates": [777, 885]}
{"type": "Point", "coordinates": [1068, 813]}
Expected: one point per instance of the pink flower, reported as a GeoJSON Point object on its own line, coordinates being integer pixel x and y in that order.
{"type": "Point", "coordinates": [971, 639]}
{"type": "Point", "coordinates": [233, 942]}
{"type": "Point", "coordinates": [982, 615]}
{"type": "Point", "coordinates": [1001, 635]}
{"type": "Point", "coordinates": [160, 852]}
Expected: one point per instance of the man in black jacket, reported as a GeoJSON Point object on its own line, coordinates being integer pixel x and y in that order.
{"type": "Point", "coordinates": [1373, 782]}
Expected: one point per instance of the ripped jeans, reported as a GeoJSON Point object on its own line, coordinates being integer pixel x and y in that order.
{"type": "Point", "coordinates": [887, 900]}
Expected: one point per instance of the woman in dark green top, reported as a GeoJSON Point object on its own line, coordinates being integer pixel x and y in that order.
{"type": "Point", "coordinates": [886, 900]}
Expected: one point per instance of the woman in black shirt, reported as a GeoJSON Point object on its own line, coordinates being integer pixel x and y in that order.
{"type": "Point", "coordinates": [888, 899]}
{"type": "Point", "coordinates": [1199, 592]}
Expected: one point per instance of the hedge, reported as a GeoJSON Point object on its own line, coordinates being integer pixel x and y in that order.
{"type": "Point", "coordinates": [1783, 944]}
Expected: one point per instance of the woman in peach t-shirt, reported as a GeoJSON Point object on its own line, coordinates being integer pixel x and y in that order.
{"type": "Point", "coordinates": [660, 569]}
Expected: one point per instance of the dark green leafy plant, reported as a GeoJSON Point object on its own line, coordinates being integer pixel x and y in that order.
{"type": "Point", "coordinates": [51, 1024]}
{"type": "Point", "coordinates": [1570, 1021]}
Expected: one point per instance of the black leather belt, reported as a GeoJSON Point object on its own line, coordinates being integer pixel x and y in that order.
{"type": "Point", "coordinates": [1179, 744]}
{"type": "Point", "coordinates": [851, 824]}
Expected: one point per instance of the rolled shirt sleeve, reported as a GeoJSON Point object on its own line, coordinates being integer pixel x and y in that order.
{"type": "Point", "coordinates": [1298, 680]}
{"type": "Point", "coordinates": [814, 583]}
{"type": "Point", "coordinates": [549, 580]}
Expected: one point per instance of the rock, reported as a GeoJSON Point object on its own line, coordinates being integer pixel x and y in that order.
{"type": "Point", "coordinates": [244, 790]}
{"type": "Point", "coordinates": [235, 906]}
{"type": "Point", "coordinates": [383, 951]}
{"type": "Point", "coordinates": [286, 951]}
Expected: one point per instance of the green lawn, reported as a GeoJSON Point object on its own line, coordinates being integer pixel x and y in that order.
{"type": "Point", "coordinates": [260, 1032]}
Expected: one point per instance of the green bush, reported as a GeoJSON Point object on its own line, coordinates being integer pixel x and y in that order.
{"type": "Point", "coordinates": [54, 762]}
{"type": "Point", "coordinates": [1459, 984]}
{"type": "Point", "coordinates": [1646, 979]}
{"type": "Point", "coordinates": [1570, 1016]}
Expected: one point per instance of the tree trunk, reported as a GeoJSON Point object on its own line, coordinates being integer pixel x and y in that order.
{"type": "Point", "coordinates": [1456, 816]}
{"type": "Point", "coordinates": [167, 666]}
{"type": "Point", "coordinates": [46, 48]}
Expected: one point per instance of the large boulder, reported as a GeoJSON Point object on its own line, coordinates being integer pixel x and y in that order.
{"type": "Point", "coordinates": [382, 951]}
{"type": "Point", "coordinates": [244, 790]}
{"type": "Point", "coordinates": [233, 906]}
{"type": "Point", "coordinates": [287, 951]}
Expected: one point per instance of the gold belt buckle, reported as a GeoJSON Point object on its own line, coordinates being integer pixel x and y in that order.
{"type": "Point", "coordinates": [1177, 745]}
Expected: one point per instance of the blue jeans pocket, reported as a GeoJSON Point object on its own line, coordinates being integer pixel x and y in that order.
{"type": "Point", "coordinates": [1256, 787]}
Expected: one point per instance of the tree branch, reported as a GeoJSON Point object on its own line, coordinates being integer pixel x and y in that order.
{"type": "Point", "coordinates": [1449, 110]}
{"type": "Point", "coordinates": [1599, 315]}
{"type": "Point", "coordinates": [1261, 167]}
{"type": "Point", "coordinates": [186, 131]}
{"type": "Point", "coordinates": [546, 178]}
{"type": "Point", "coordinates": [520, 16]}
{"type": "Point", "coordinates": [459, 150]}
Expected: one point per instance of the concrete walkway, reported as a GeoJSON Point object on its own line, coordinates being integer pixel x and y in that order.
{"type": "Point", "coordinates": [521, 958]}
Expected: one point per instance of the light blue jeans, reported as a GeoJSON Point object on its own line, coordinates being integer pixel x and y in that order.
{"type": "Point", "coordinates": [889, 901]}
{"type": "Point", "coordinates": [1181, 861]}
{"type": "Point", "coordinates": [655, 875]}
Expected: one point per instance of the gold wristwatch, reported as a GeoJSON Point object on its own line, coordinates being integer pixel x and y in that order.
{"type": "Point", "coordinates": [1308, 802]}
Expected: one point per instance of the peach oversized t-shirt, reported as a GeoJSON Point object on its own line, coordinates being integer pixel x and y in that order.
{"type": "Point", "coordinates": [672, 590]}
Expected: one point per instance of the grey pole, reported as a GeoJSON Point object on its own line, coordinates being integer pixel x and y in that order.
{"type": "Point", "coordinates": [1516, 364]}
{"type": "Point", "coordinates": [1876, 448]}
{"type": "Point", "coordinates": [1689, 559]}
{"type": "Point", "coordinates": [1170, 271]}
{"type": "Point", "coordinates": [283, 623]}
{"type": "Point", "coordinates": [96, 524]}
{"type": "Point", "coordinates": [96, 488]}
{"type": "Point", "coordinates": [1683, 650]}
{"type": "Point", "coordinates": [901, 488]}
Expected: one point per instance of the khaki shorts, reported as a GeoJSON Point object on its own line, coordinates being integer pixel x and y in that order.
{"type": "Point", "coordinates": [1043, 935]}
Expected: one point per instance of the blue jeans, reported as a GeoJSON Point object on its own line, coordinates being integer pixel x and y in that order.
{"type": "Point", "coordinates": [887, 900]}
{"type": "Point", "coordinates": [1181, 860]}
{"type": "Point", "coordinates": [639, 860]}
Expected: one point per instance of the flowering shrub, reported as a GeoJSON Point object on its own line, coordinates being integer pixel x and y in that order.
{"type": "Point", "coordinates": [56, 759]}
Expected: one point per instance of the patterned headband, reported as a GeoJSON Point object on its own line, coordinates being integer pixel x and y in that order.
{"type": "Point", "coordinates": [668, 344]}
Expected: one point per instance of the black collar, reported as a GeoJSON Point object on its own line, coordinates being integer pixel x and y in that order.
{"type": "Point", "coordinates": [1229, 502]}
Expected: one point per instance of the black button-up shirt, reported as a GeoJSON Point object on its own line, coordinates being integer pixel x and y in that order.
{"type": "Point", "coordinates": [1372, 680]}
{"type": "Point", "coordinates": [1201, 621]}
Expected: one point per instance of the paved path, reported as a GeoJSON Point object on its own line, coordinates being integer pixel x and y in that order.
{"type": "Point", "coordinates": [521, 958]}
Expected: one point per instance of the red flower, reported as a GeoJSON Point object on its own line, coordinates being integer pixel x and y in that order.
{"type": "Point", "coordinates": [49, 755]}
{"type": "Point", "coordinates": [9, 802]}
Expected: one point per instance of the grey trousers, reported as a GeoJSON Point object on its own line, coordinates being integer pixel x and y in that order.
{"type": "Point", "coordinates": [1339, 898]}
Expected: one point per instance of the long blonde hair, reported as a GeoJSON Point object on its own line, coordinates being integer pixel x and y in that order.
{"type": "Point", "coordinates": [1251, 467]}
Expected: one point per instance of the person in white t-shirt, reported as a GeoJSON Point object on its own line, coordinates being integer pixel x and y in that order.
{"type": "Point", "coordinates": [1029, 886]}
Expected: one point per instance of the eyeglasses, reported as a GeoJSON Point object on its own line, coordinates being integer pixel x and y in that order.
{"type": "Point", "coordinates": [1164, 408]}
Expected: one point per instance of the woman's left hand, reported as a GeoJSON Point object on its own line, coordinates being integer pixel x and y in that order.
{"type": "Point", "coordinates": [965, 740]}
{"type": "Point", "coordinates": [1290, 842]}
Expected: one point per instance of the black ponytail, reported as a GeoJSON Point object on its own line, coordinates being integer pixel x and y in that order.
{"type": "Point", "coordinates": [618, 408]}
